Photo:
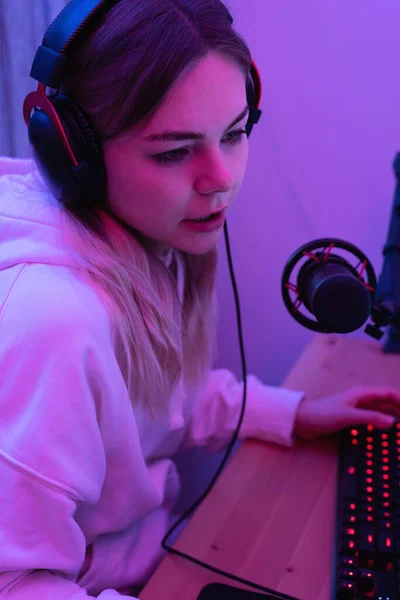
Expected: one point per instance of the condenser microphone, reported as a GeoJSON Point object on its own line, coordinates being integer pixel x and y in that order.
{"type": "Point", "coordinates": [337, 295]}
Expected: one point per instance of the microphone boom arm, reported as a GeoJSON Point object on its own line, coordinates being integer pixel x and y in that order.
{"type": "Point", "coordinates": [386, 306]}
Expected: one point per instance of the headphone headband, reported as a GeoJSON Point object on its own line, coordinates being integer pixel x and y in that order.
{"type": "Point", "coordinates": [65, 144]}
{"type": "Point", "coordinates": [50, 58]}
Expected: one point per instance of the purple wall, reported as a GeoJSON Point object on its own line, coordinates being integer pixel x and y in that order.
{"type": "Point", "coordinates": [320, 158]}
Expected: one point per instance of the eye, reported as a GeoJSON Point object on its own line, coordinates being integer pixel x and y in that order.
{"type": "Point", "coordinates": [179, 154]}
{"type": "Point", "coordinates": [237, 136]}
{"type": "Point", "coordinates": [172, 156]}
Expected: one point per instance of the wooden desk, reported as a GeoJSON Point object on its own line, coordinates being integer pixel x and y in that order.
{"type": "Point", "coordinates": [271, 516]}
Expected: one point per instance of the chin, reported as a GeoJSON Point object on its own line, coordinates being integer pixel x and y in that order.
{"type": "Point", "coordinates": [199, 246]}
{"type": "Point", "coordinates": [201, 252]}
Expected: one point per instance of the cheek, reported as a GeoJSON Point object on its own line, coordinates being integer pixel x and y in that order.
{"type": "Point", "coordinates": [118, 171]}
{"type": "Point", "coordinates": [128, 180]}
{"type": "Point", "coordinates": [173, 187]}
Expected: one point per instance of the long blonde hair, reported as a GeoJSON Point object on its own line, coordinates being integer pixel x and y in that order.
{"type": "Point", "coordinates": [119, 76]}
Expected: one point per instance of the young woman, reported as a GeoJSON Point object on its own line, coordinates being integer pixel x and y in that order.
{"type": "Point", "coordinates": [107, 310]}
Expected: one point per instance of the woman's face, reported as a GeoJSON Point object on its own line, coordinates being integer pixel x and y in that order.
{"type": "Point", "coordinates": [189, 160]}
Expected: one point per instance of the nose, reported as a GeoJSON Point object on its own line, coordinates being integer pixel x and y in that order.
{"type": "Point", "coordinates": [214, 175]}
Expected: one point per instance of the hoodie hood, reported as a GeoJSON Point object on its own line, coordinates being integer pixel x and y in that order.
{"type": "Point", "coordinates": [34, 227]}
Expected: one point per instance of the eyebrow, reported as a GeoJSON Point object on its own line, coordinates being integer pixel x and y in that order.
{"type": "Point", "coordinates": [190, 135]}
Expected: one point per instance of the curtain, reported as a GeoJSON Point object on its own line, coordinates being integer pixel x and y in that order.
{"type": "Point", "coordinates": [22, 26]}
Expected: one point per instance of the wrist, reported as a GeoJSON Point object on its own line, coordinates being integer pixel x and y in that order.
{"type": "Point", "coordinates": [299, 421]}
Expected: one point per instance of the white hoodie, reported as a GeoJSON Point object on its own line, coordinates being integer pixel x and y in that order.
{"type": "Point", "coordinates": [80, 468]}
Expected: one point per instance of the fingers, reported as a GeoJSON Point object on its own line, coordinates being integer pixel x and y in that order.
{"type": "Point", "coordinates": [382, 406]}
{"type": "Point", "coordinates": [371, 392]}
{"type": "Point", "coordinates": [386, 400]}
{"type": "Point", "coordinates": [376, 418]}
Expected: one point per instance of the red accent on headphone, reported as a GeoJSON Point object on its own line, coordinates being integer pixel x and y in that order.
{"type": "Point", "coordinates": [39, 99]}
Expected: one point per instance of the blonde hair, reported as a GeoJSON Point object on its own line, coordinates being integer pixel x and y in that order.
{"type": "Point", "coordinates": [159, 337]}
{"type": "Point", "coordinates": [119, 76]}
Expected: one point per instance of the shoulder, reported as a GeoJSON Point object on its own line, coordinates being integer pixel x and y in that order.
{"type": "Point", "coordinates": [50, 300]}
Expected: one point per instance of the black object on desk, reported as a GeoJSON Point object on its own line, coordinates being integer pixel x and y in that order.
{"type": "Point", "coordinates": [220, 591]}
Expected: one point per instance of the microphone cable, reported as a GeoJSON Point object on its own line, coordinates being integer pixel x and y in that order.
{"type": "Point", "coordinates": [273, 593]}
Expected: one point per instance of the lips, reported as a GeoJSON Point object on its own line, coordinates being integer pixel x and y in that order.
{"type": "Point", "coordinates": [216, 212]}
{"type": "Point", "coordinates": [205, 226]}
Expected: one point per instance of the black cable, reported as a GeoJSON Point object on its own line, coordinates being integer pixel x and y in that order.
{"type": "Point", "coordinates": [190, 510]}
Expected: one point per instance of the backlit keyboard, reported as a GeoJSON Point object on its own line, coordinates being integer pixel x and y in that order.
{"type": "Point", "coordinates": [367, 557]}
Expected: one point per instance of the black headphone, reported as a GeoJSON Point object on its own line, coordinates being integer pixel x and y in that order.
{"type": "Point", "coordinates": [66, 148]}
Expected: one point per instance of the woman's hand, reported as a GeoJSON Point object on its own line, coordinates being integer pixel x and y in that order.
{"type": "Point", "coordinates": [377, 406]}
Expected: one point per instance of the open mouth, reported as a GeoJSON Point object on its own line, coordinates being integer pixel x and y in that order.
{"type": "Point", "coordinates": [210, 217]}
{"type": "Point", "coordinates": [208, 223]}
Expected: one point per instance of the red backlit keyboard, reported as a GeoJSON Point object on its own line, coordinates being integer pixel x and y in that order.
{"type": "Point", "coordinates": [367, 559]}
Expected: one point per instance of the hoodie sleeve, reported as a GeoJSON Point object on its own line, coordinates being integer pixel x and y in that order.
{"type": "Point", "coordinates": [52, 459]}
{"type": "Point", "coordinates": [269, 416]}
{"type": "Point", "coordinates": [42, 546]}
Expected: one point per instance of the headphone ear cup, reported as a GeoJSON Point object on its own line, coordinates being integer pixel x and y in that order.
{"type": "Point", "coordinates": [253, 93]}
{"type": "Point", "coordinates": [84, 185]}
{"type": "Point", "coordinates": [50, 155]}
